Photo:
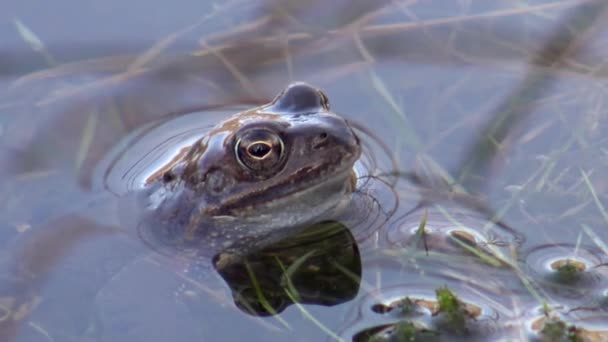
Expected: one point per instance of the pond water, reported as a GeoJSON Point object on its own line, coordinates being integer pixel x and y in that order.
{"type": "Point", "coordinates": [480, 204]}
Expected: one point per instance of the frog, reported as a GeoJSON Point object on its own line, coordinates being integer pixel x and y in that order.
{"type": "Point", "coordinates": [255, 177]}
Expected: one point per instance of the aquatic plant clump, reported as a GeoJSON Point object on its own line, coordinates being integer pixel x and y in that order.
{"type": "Point", "coordinates": [452, 308]}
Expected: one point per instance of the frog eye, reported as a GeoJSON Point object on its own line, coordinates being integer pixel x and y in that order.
{"type": "Point", "coordinates": [259, 150]}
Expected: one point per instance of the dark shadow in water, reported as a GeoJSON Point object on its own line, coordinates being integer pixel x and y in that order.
{"type": "Point", "coordinates": [320, 266]}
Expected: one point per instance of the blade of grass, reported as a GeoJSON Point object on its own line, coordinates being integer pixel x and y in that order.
{"type": "Point", "coordinates": [409, 133]}
{"type": "Point", "coordinates": [251, 34]}
{"type": "Point", "coordinates": [595, 238]}
{"type": "Point", "coordinates": [526, 281]}
{"type": "Point", "coordinates": [488, 259]}
{"type": "Point", "coordinates": [421, 233]}
{"type": "Point", "coordinates": [33, 41]}
{"type": "Point", "coordinates": [262, 298]}
{"type": "Point", "coordinates": [41, 331]}
{"type": "Point", "coordinates": [287, 273]}
{"type": "Point", "coordinates": [501, 260]}
{"type": "Point", "coordinates": [521, 102]}
{"type": "Point", "coordinates": [233, 69]}
{"type": "Point", "coordinates": [163, 44]}
{"type": "Point", "coordinates": [312, 318]}
{"type": "Point", "coordinates": [87, 139]}
{"type": "Point", "coordinates": [599, 204]}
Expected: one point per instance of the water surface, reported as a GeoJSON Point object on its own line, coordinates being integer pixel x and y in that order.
{"type": "Point", "coordinates": [515, 223]}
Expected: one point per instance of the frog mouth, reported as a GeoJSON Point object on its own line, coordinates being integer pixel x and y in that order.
{"type": "Point", "coordinates": [305, 180]}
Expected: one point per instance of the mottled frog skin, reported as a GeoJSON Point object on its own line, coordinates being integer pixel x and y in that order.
{"type": "Point", "coordinates": [256, 177]}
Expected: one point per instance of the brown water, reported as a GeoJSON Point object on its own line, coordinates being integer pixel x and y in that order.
{"type": "Point", "coordinates": [516, 225]}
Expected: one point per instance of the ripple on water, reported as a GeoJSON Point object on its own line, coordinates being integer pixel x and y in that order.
{"type": "Point", "coordinates": [567, 272]}
{"type": "Point", "coordinates": [145, 151]}
{"type": "Point", "coordinates": [561, 323]}
{"type": "Point", "coordinates": [457, 233]}
{"type": "Point", "coordinates": [414, 309]}
{"type": "Point", "coordinates": [603, 300]}
{"type": "Point", "coordinates": [374, 201]}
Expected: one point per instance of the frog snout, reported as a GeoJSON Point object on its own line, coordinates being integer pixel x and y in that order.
{"type": "Point", "coordinates": [340, 140]}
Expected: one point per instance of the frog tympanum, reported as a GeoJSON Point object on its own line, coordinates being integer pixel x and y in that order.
{"type": "Point", "coordinates": [255, 177]}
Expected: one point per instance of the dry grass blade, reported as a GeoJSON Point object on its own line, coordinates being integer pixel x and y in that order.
{"type": "Point", "coordinates": [34, 41]}
{"type": "Point", "coordinates": [596, 199]}
{"type": "Point", "coordinates": [234, 70]}
{"type": "Point", "coordinates": [165, 43]}
{"type": "Point", "coordinates": [41, 331]}
{"type": "Point", "coordinates": [263, 30]}
{"type": "Point", "coordinates": [409, 134]}
{"type": "Point", "coordinates": [334, 14]}
{"type": "Point", "coordinates": [34, 262]}
{"type": "Point", "coordinates": [88, 134]}
{"type": "Point", "coordinates": [595, 238]}
{"type": "Point", "coordinates": [486, 258]}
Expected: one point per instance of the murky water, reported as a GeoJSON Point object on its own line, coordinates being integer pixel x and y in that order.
{"type": "Point", "coordinates": [483, 126]}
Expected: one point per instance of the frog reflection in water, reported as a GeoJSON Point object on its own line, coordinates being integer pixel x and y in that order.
{"type": "Point", "coordinates": [256, 177]}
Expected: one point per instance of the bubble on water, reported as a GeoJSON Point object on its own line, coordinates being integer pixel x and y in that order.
{"type": "Point", "coordinates": [567, 271]}
{"type": "Point", "coordinates": [414, 307]}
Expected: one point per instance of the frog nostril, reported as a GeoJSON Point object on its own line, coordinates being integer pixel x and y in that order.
{"type": "Point", "coordinates": [320, 140]}
{"type": "Point", "coordinates": [168, 177]}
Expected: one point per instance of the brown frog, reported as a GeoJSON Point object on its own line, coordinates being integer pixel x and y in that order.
{"type": "Point", "coordinates": [255, 177]}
